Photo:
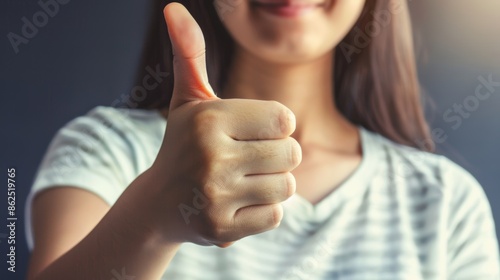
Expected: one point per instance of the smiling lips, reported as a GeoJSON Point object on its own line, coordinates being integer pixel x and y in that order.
{"type": "Point", "coordinates": [286, 8]}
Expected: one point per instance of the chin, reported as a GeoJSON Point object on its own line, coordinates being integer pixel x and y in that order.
{"type": "Point", "coordinates": [292, 57]}
{"type": "Point", "coordinates": [292, 51]}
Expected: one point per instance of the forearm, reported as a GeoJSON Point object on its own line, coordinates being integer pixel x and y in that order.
{"type": "Point", "coordinates": [124, 243]}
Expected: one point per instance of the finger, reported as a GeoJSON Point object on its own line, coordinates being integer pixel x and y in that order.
{"type": "Point", "coordinates": [256, 119]}
{"type": "Point", "coordinates": [268, 156]}
{"type": "Point", "coordinates": [257, 218]}
{"type": "Point", "coordinates": [188, 44]}
{"type": "Point", "coordinates": [265, 189]}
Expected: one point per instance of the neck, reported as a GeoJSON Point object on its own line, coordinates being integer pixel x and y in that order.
{"type": "Point", "coordinates": [307, 89]}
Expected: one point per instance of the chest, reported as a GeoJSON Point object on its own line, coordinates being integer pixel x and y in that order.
{"type": "Point", "coordinates": [332, 256]}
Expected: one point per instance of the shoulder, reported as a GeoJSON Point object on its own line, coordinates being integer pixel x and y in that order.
{"type": "Point", "coordinates": [458, 202]}
{"type": "Point", "coordinates": [109, 143]}
{"type": "Point", "coordinates": [117, 120]}
{"type": "Point", "coordinates": [116, 130]}
{"type": "Point", "coordinates": [111, 127]}
{"type": "Point", "coordinates": [424, 169]}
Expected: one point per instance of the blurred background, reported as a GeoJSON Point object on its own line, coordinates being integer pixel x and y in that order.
{"type": "Point", "coordinates": [86, 54]}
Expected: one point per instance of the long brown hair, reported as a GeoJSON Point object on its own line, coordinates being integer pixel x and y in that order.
{"type": "Point", "coordinates": [375, 76]}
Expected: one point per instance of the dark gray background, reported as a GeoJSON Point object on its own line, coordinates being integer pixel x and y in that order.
{"type": "Point", "coordinates": [86, 55]}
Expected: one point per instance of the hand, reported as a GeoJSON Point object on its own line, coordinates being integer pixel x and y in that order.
{"type": "Point", "coordinates": [224, 165]}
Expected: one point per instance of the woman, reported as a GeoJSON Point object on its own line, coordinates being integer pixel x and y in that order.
{"type": "Point", "coordinates": [302, 154]}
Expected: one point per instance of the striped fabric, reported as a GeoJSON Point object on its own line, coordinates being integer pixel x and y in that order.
{"type": "Point", "coordinates": [403, 214]}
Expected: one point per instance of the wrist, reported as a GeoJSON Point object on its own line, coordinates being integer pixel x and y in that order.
{"type": "Point", "coordinates": [145, 211]}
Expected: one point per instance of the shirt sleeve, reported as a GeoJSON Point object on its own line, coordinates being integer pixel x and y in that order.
{"type": "Point", "coordinates": [472, 243]}
{"type": "Point", "coordinates": [89, 153]}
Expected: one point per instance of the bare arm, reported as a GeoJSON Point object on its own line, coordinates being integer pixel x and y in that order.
{"type": "Point", "coordinates": [73, 242]}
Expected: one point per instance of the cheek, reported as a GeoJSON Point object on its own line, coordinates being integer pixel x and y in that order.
{"type": "Point", "coordinates": [287, 40]}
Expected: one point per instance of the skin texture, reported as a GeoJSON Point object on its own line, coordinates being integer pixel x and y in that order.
{"type": "Point", "coordinates": [248, 144]}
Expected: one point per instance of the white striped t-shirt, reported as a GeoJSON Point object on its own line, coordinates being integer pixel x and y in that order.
{"type": "Point", "coordinates": [403, 214]}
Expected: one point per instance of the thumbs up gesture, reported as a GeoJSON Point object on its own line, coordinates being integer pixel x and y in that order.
{"type": "Point", "coordinates": [224, 165]}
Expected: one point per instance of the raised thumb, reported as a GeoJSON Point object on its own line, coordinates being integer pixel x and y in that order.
{"type": "Point", "coordinates": [188, 44]}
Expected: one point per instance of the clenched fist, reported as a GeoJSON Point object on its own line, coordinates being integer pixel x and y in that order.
{"type": "Point", "coordinates": [224, 165]}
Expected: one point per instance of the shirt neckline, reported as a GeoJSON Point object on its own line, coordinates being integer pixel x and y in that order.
{"type": "Point", "coordinates": [354, 185]}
